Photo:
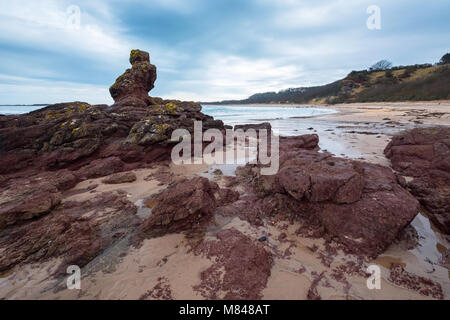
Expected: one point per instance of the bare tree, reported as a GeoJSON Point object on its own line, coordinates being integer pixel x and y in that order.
{"type": "Point", "coordinates": [381, 65]}
{"type": "Point", "coordinates": [445, 59]}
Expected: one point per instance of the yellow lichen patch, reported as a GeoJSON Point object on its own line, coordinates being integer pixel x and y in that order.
{"type": "Point", "coordinates": [171, 107]}
{"type": "Point", "coordinates": [83, 108]}
{"type": "Point", "coordinates": [161, 128]}
{"type": "Point", "coordinates": [50, 116]}
{"type": "Point", "coordinates": [134, 53]}
{"type": "Point", "coordinates": [69, 111]}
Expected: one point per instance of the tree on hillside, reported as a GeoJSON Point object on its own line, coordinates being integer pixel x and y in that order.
{"type": "Point", "coordinates": [445, 59]}
{"type": "Point", "coordinates": [381, 65]}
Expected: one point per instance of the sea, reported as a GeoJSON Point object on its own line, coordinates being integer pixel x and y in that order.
{"type": "Point", "coordinates": [17, 109]}
{"type": "Point", "coordinates": [286, 119]}
{"type": "Point", "coordinates": [276, 115]}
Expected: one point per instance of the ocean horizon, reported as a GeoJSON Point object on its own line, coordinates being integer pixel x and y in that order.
{"type": "Point", "coordinates": [19, 109]}
{"type": "Point", "coordinates": [282, 118]}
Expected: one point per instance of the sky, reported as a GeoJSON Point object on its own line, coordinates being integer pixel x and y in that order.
{"type": "Point", "coordinates": [207, 50]}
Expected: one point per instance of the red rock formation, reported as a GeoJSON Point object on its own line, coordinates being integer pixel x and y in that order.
{"type": "Point", "coordinates": [76, 232]}
{"type": "Point", "coordinates": [360, 205]}
{"type": "Point", "coordinates": [185, 206]}
{"type": "Point", "coordinates": [136, 82]}
{"type": "Point", "coordinates": [241, 270]}
{"type": "Point", "coordinates": [118, 178]}
{"type": "Point", "coordinates": [137, 129]}
{"type": "Point", "coordinates": [48, 151]}
{"type": "Point", "coordinates": [425, 155]}
{"type": "Point", "coordinates": [26, 198]}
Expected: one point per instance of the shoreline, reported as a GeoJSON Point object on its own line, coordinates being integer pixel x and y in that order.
{"type": "Point", "coordinates": [314, 104]}
{"type": "Point", "coordinates": [141, 268]}
{"type": "Point", "coordinates": [140, 227]}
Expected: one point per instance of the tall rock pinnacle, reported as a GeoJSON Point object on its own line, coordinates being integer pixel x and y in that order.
{"type": "Point", "coordinates": [136, 82]}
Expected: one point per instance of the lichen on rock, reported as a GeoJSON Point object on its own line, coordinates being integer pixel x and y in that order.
{"type": "Point", "coordinates": [137, 81]}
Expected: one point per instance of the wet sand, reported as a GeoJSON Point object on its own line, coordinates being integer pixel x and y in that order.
{"type": "Point", "coordinates": [363, 130]}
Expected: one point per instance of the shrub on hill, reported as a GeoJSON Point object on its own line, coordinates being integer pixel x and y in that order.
{"type": "Point", "coordinates": [445, 59]}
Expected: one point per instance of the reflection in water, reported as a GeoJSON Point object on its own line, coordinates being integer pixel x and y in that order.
{"type": "Point", "coordinates": [429, 240]}
{"type": "Point", "coordinates": [425, 258]}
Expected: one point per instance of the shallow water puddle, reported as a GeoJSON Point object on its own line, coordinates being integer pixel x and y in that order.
{"type": "Point", "coordinates": [431, 242]}
{"type": "Point", "coordinates": [243, 154]}
{"type": "Point", "coordinates": [6, 274]}
{"type": "Point", "coordinates": [143, 211]}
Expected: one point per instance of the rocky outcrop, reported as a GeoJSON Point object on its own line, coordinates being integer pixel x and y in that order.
{"type": "Point", "coordinates": [187, 205]}
{"type": "Point", "coordinates": [360, 205]}
{"type": "Point", "coordinates": [118, 178]}
{"type": "Point", "coordinates": [27, 198]}
{"type": "Point", "coordinates": [241, 269]}
{"type": "Point", "coordinates": [308, 142]}
{"type": "Point", "coordinates": [424, 154]}
{"type": "Point", "coordinates": [49, 151]}
{"type": "Point", "coordinates": [262, 126]}
{"type": "Point", "coordinates": [75, 232]}
{"type": "Point", "coordinates": [136, 129]}
{"type": "Point", "coordinates": [134, 85]}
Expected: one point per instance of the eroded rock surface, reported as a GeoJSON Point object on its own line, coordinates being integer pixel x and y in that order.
{"type": "Point", "coordinates": [187, 205]}
{"type": "Point", "coordinates": [75, 232]}
{"type": "Point", "coordinates": [136, 82]}
{"type": "Point", "coordinates": [241, 271]}
{"type": "Point", "coordinates": [118, 178]}
{"type": "Point", "coordinates": [26, 198]}
{"type": "Point", "coordinates": [424, 154]}
{"type": "Point", "coordinates": [360, 205]}
{"type": "Point", "coordinates": [424, 286]}
{"type": "Point", "coordinates": [136, 129]}
{"type": "Point", "coordinates": [49, 151]}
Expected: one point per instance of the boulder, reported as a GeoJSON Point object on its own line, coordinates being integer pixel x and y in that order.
{"type": "Point", "coordinates": [308, 142]}
{"type": "Point", "coordinates": [421, 151]}
{"type": "Point", "coordinates": [101, 168]}
{"type": "Point", "coordinates": [24, 198]}
{"type": "Point", "coordinates": [125, 177]}
{"type": "Point", "coordinates": [21, 201]}
{"type": "Point", "coordinates": [262, 126]}
{"type": "Point", "coordinates": [136, 82]}
{"type": "Point", "coordinates": [185, 206]}
{"type": "Point", "coordinates": [76, 232]}
{"type": "Point", "coordinates": [424, 154]}
{"type": "Point", "coordinates": [358, 204]}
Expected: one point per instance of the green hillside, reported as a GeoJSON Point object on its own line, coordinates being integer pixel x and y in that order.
{"type": "Point", "coordinates": [406, 83]}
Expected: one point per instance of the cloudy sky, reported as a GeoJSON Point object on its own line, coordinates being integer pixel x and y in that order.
{"type": "Point", "coordinates": [206, 49]}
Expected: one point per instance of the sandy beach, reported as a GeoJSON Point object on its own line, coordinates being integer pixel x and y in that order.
{"type": "Point", "coordinates": [167, 267]}
{"type": "Point", "coordinates": [221, 159]}
{"type": "Point", "coordinates": [363, 130]}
